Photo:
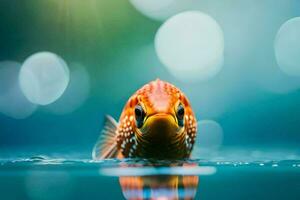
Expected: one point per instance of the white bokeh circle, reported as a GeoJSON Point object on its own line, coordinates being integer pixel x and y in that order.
{"type": "Point", "coordinates": [210, 134]}
{"type": "Point", "coordinates": [191, 46]}
{"type": "Point", "coordinates": [12, 101]}
{"type": "Point", "coordinates": [287, 47]}
{"type": "Point", "coordinates": [43, 78]}
{"type": "Point", "coordinates": [76, 93]}
{"type": "Point", "coordinates": [209, 138]}
{"type": "Point", "coordinates": [161, 10]}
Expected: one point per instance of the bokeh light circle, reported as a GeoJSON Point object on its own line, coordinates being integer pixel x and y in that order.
{"type": "Point", "coordinates": [210, 134]}
{"type": "Point", "coordinates": [209, 138]}
{"type": "Point", "coordinates": [43, 78]}
{"type": "Point", "coordinates": [154, 9]}
{"type": "Point", "coordinates": [12, 101]}
{"type": "Point", "coordinates": [76, 93]}
{"type": "Point", "coordinates": [191, 46]}
{"type": "Point", "coordinates": [287, 47]}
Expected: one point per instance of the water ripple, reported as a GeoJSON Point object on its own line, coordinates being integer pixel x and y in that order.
{"type": "Point", "coordinates": [48, 161]}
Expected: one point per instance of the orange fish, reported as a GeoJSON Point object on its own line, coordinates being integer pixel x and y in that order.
{"type": "Point", "coordinates": [156, 122]}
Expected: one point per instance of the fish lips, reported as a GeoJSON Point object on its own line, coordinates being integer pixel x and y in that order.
{"type": "Point", "coordinates": [160, 127]}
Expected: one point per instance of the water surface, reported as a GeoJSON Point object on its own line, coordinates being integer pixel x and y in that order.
{"type": "Point", "coordinates": [42, 177]}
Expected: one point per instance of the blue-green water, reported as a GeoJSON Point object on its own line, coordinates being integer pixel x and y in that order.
{"type": "Point", "coordinates": [41, 177]}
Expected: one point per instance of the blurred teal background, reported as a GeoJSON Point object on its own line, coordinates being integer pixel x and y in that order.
{"type": "Point", "coordinates": [247, 107]}
{"type": "Point", "coordinates": [255, 103]}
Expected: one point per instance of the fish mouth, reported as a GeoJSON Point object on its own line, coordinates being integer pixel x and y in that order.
{"type": "Point", "coordinates": [160, 127]}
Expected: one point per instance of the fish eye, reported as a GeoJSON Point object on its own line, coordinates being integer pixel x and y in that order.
{"type": "Point", "coordinates": [180, 114]}
{"type": "Point", "coordinates": [139, 115]}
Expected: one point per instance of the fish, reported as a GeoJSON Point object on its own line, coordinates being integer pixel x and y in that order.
{"type": "Point", "coordinates": [156, 122]}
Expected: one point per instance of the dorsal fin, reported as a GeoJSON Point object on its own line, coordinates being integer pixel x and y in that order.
{"type": "Point", "coordinates": [106, 145]}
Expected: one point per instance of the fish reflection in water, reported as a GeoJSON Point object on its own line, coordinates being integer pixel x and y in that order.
{"type": "Point", "coordinates": [159, 182]}
{"type": "Point", "coordinates": [159, 187]}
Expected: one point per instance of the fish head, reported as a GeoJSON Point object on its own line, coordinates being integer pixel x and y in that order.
{"type": "Point", "coordinates": [160, 114]}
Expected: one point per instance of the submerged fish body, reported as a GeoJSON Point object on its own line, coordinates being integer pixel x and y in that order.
{"type": "Point", "coordinates": [156, 122]}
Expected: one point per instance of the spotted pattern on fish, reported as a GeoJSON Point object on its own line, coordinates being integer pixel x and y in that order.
{"type": "Point", "coordinates": [157, 97]}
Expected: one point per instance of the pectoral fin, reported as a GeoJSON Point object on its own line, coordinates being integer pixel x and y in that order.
{"type": "Point", "coordinates": [106, 145]}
